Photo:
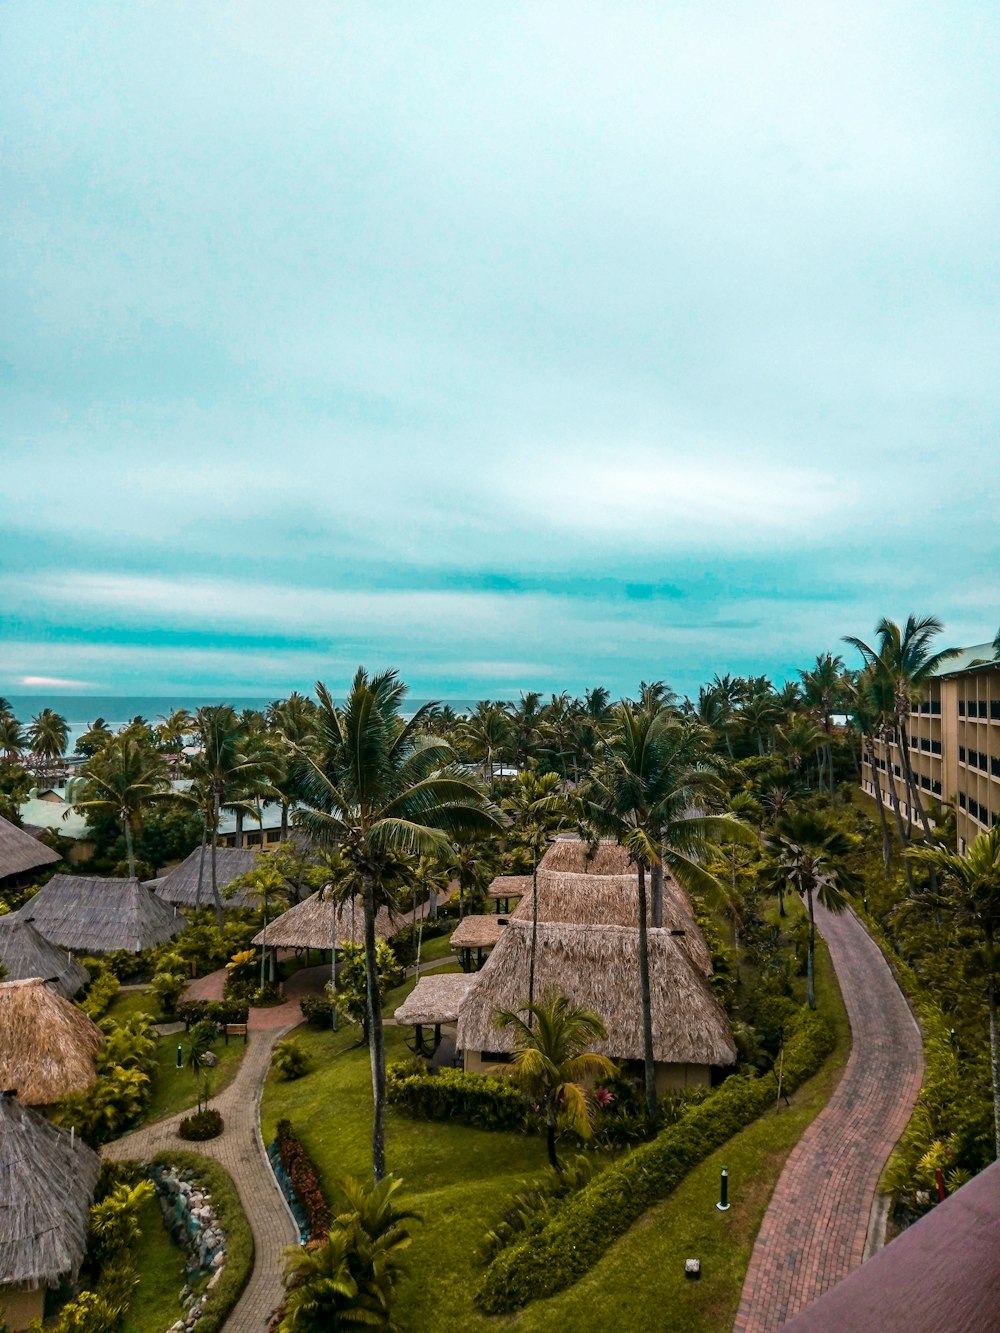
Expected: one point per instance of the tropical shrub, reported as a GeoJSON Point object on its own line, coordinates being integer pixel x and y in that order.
{"type": "Point", "coordinates": [219, 1012]}
{"type": "Point", "coordinates": [100, 993]}
{"type": "Point", "coordinates": [569, 1245]}
{"type": "Point", "coordinates": [353, 984]}
{"type": "Point", "coordinates": [304, 1178]}
{"type": "Point", "coordinates": [535, 1203]}
{"type": "Point", "coordinates": [452, 1094]}
{"type": "Point", "coordinates": [201, 1125]}
{"type": "Point", "coordinates": [290, 1060]}
{"type": "Point", "coordinates": [168, 988]}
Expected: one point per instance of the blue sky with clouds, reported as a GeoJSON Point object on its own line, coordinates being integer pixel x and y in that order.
{"type": "Point", "coordinates": [517, 345]}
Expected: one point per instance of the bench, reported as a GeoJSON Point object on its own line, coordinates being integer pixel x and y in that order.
{"type": "Point", "coordinates": [235, 1030]}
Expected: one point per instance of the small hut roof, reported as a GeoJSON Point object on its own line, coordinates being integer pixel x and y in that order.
{"type": "Point", "coordinates": [509, 886]}
{"type": "Point", "coordinates": [180, 885]}
{"type": "Point", "coordinates": [315, 922]}
{"type": "Point", "coordinates": [613, 900]}
{"type": "Point", "coordinates": [598, 967]}
{"type": "Point", "coordinates": [47, 1185]}
{"type": "Point", "coordinates": [20, 853]}
{"type": "Point", "coordinates": [576, 857]}
{"type": "Point", "coordinates": [435, 999]}
{"type": "Point", "coordinates": [478, 932]}
{"type": "Point", "coordinates": [47, 1044]}
{"type": "Point", "coordinates": [25, 952]}
{"type": "Point", "coordinates": [93, 915]}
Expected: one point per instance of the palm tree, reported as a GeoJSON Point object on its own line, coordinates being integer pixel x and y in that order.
{"type": "Point", "coordinates": [808, 854]}
{"type": "Point", "coordinates": [643, 795]}
{"type": "Point", "coordinates": [525, 719]}
{"type": "Point", "coordinates": [970, 891]}
{"type": "Point", "coordinates": [47, 735]}
{"type": "Point", "coordinates": [868, 716]}
{"type": "Point", "coordinates": [12, 737]}
{"type": "Point", "coordinates": [378, 788]}
{"type": "Point", "coordinates": [473, 862]}
{"type": "Point", "coordinates": [485, 734]}
{"type": "Point", "coordinates": [122, 778]}
{"type": "Point", "coordinates": [822, 689]}
{"type": "Point", "coordinates": [551, 1060]}
{"type": "Point", "coordinates": [536, 809]}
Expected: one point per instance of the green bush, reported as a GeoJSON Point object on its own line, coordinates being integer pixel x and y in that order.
{"type": "Point", "coordinates": [101, 992]}
{"type": "Point", "coordinates": [210, 1176]}
{"type": "Point", "coordinates": [604, 1210]}
{"type": "Point", "coordinates": [451, 1094]}
{"type": "Point", "coordinates": [290, 1060]}
{"type": "Point", "coordinates": [203, 1124]}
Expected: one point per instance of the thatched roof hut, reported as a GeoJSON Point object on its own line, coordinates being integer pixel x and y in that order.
{"type": "Point", "coordinates": [180, 885]}
{"type": "Point", "coordinates": [21, 854]}
{"type": "Point", "coordinates": [25, 952]}
{"type": "Point", "coordinates": [479, 932]}
{"type": "Point", "coordinates": [574, 856]}
{"type": "Point", "coordinates": [93, 915]}
{"type": "Point", "coordinates": [613, 900]}
{"type": "Point", "coordinates": [316, 922]}
{"type": "Point", "coordinates": [47, 1181]}
{"type": "Point", "coordinates": [435, 999]}
{"type": "Point", "coordinates": [505, 887]}
{"type": "Point", "coordinates": [47, 1044]}
{"type": "Point", "coordinates": [598, 967]}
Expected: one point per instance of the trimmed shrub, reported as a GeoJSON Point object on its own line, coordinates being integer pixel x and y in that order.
{"type": "Point", "coordinates": [290, 1060]}
{"type": "Point", "coordinates": [451, 1094]}
{"type": "Point", "coordinates": [204, 1124]}
{"type": "Point", "coordinates": [102, 991]}
{"type": "Point", "coordinates": [217, 1011]}
{"type": "Point", "coordinates": [304, 1178]}
{"type": "Point", "coordinates": [604, 1210]}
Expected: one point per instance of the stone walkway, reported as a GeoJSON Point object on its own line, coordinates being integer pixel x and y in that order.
{"type": "Point", "coordinates": [240, 1150]}
{"type": "Point", "coordinates": [816, 1225]}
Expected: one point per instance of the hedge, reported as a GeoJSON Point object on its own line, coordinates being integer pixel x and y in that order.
{"type": "Point", "coordinates": [593, 1219]}
{"type": "Point", "coordinates": [215, 1180]}
{"type": "Point", "coordinates": [216, 1011]}
{"type": "Point", "coordinates": [452, 1094]}
{"type": "Point", "coordinates": [304, 1180]}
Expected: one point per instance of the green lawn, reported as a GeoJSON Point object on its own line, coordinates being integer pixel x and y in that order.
{"type": "Point", "coordinates": [440, 947]}
{"type": "Point", "coordinates": [127, 1003]}
{"type": "Point", "coordinates": [155, 1305]}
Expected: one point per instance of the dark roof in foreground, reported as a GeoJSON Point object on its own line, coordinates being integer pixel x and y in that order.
{"type": "Point", "coordinates": [25, 952]}
{"type": "Point", "coordinates": [48, 1045]}
{"type": "Point", "coordinates": [92, 915]}
{"type": "Point", "coordinates": [941, 1274]}
{"type": "Point", "coordinates": [20, 853]}
{"type": "Point", "coordinates": [47, 1185]}
{"type": "Point", "coordinates": [180, 885]}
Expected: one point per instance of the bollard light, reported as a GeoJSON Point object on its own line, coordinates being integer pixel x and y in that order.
{"type": "Point", "coordinates": [180, 1056]}
{"type": "Point", "coordinates": [723, 1203]}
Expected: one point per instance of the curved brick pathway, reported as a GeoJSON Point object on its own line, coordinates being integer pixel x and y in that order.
{"type": "Point", "coordinates": [815, 1228]}
{"type": "Point", "coordinates": [240, 1150]}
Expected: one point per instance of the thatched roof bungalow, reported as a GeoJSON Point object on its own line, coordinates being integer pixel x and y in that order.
{"type": "Point", "coordinates": [93, 915]}
{"type": "Point", "coordinates": [574, 856]}
{"type": "Point", "coordinates": [435, 999]}
{"type": "Point", "coordinates": [180, 885]}
{"type": "Point", "coordinates": [47, 1044]}
{"type": "Point", "coordinates": [477, 935]}
{"type": "Point", "coordinates": [504, 888]}
{"type": "Point", "coordinates": [21, 855]}
{"type": "Point", "coordinates": [598, 967]}
{"type": "Point", "coordinates": [25, 952]}
{"type": "Point", "coordinates": [613, 900]}
{"type": "Point", "coordinates": [47, 1181]}
{"type": "Point", "coordinates": [315, 923]}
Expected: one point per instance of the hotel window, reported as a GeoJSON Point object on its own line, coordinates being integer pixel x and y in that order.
{"type": "Point", "coordinates": [936, 706]}
{"type": "Point", "coordinates": [995, 709]}
{"type": "Point", "coordinates": [961, 799]}
{"type": "Point", "coordinates": [935, 747]}
{"type": "Point", "coordinates": [961, 708]}
{"type": "Point", "coordinates": [936, 788]}
{"type": "Point", "coordinates": [961, 754]}
{"type": "Point", "coordinates": [982, 708]}
{"type": "Point", "coordinates": [274, 835]}
{"type": "Point", "coordinates": [995, 766]}
{"type": "Point", "coordinates": [254, 839]}
{"type": "Point", "coordinates": [984, 761]}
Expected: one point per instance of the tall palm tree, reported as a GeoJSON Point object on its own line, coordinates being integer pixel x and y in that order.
{"type": "Point", "coordinates": [525, 720]}
{"type": "Point", "coordinates": [643, 794]}
{"type": "Point", "coordinates": [485, 734]}
{"type": "Point", "coordinates": [868, 715]}
{"type": "Point", "coordinates": [808, 853]}
{"type": "Point", "coordinates": [12, 737]}
{"type": "Point", "coordinates": [552, 1063]}
{"type": "Point", "coordinates": [378, 788]}
{"type": "Point", "coordinates": [969, 891]}
{"type": "Point", "coordinates": [122, 779]}
{"type": "Point", "coordinates": [822, 689]}
{"type": "Point", "coordinates": [47, 734]}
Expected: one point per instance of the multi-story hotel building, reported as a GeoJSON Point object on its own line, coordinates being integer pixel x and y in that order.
{"type": "Point", "coordinates": [954, 744]}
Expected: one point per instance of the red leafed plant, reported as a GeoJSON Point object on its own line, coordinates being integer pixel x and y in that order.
{"type": "Point", "coordinates": [305, 1180]}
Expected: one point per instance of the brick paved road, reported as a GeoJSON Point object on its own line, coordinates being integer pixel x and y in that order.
{"type": "Point", "coordinates": [815, 1228]}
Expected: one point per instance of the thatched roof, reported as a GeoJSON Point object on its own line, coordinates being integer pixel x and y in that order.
{"type": "Point", "coordinates": [613, 900]}
{"type": "Point", "coordinates": [25, 952]}
{"type": "Point", "coordinates": [598, 967]}
{"type": "Point", "coordinates": [316, 922]}
{"type": "Point", "coordinates": [576, 857]}
{"type": "Point", "coordinates": [435, 999]}
{"type": "Point", "coordinates": [47, 1044]}
{"type": "Point", "coordinates": [20, 853]}
{"type": "Point", "coordinates": [47, 1182]}
{"type": "Point", "coordinates": [509, 886]}
{"type": "Point", "coordinates": [93, 915]}
{"type": "Point", "coordinates": [478, 932]}
{"type": "Point", "coordinates": [180, 885]}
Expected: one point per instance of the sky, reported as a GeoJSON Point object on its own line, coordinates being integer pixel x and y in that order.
{"type": "Point", "coordinates": [520, 345]}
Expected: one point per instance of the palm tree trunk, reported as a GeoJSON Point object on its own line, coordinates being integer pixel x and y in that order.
{"type": "Point", "coordinates": [201, 863]}
{"type": "Point", "coordinates": [811, 954]}
{"type": "Point", "coordinates": [890, 778]}
{"type": "Point", "coordinates": [239, 828]}
{"type": "Point", "coordinates": [129, 849]}
{"type": "Point", "coordinates": [886, 837]}
{"type": "Point", "coordinates": [219, 917]}
{"type": "Point", "coordinates": [656, 884]}
{"type": "Point", "coordinates": [534, 938]}
{"type": "Point", "coordinates": [284, 821]}
{"type": "Point", "coordinates": [376, 1036]}
{"type": "Point", "coordinates": [649, 1071]}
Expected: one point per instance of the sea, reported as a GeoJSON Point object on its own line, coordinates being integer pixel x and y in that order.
{"type": "Point", "coordinates": [82, 710]}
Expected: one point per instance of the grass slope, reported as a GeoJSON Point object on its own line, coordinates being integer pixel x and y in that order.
{"type": "Point", "coordinates": [155, 1304]}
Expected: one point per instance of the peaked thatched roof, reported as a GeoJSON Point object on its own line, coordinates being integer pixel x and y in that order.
{"type": "Point", "coordinates": [509, 886]}
{"type": "Point", "coordinates": [47, 1044]}
{"type": "Point", "coordinates": [20, 853]}
{"type": "Point", "coordinates": [613, 900]}
{"type": "Point", "coordinates": [479, 932]}
{"type": "Point", "coordinates": [598, 967]}
{"type": "Point", "coordinates": [180, 885]}
{"type": "Point", "coordinates": [25, 952]}
{"type": "Point", "coordinates": [316, 922]}
{"type": "Point", "coordinates": [93, 915]}
{"type": "Point", "coordinates": [576, 857]}
{"type": "Point", "coordinates": [435, 999]}
{"type": "Point", "coordinates": [47, 1185]}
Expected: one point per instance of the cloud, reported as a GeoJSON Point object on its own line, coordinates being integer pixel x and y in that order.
{"type": "Point", "coordinates": [55, 683]}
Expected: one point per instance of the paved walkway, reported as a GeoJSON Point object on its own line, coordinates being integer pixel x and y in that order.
{"type": "Point", "coordinates": [815, 1228]}
{"type": "Point", "coordinates": [241, 1151]}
